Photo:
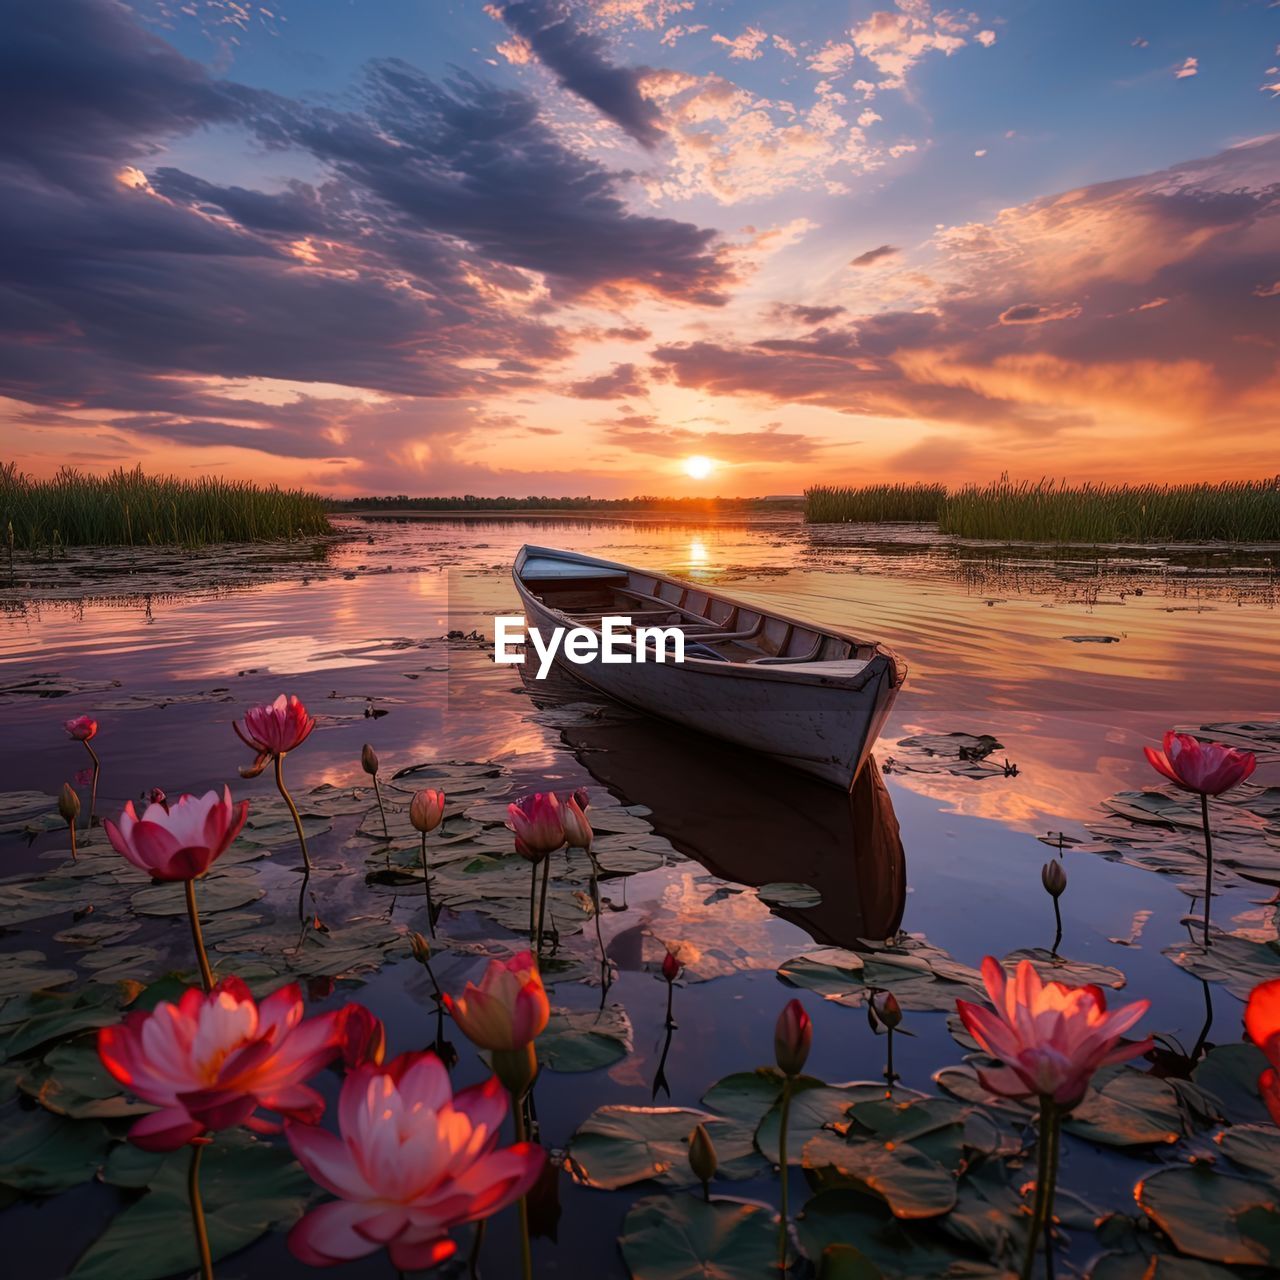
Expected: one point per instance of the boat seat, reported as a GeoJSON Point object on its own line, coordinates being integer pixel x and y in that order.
{"type": "Point", "coordinates": [718, 634]}
{"type": "Point", "coordinates": [778, 659]}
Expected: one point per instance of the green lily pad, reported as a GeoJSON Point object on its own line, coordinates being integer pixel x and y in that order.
{"type": "Point", "coordinates": [30, 1021]}
{"type": "Point", "coordinates": [617, 1146]}
{"type": "Point", "coordinates": [1212, 1216]}
{"type": "Point", "coordinates": [785, 893]}
{"type": "Point", "coordinates": [909, 1182]}
{"type": "Point", "coordinates": [214, 893]}
{"type": "Point", "coordinates": [1157, 1266]}
{"type": "Point", "coordinates": [1253, 1147]}
{"type": "Point", "coordinates": [585, 1039]}
{"type": "Point", "coordinates": [1238, 963]}
{"type": "Point", "coordinates": [920, 975]}
{"type": "Point", "coordinates": [685, 1238]}
{"type": "Point", "coordinates": [25, 971]}
{"type": "Point", "coordinates": [71, 1081]}
{"type": "Point", "coordinates": [1229, 1074]}
{"type": "Point", "coordinates": [1072, 973]}
{"type": "Point", "coordinates": [42, 1154]}
{"type": "Point", "coordinates": [812, 1110]}
{"type": "Point", "coordinates": [248, 1188]}
{"type": "Point", "coordinates": [1130, 1109]}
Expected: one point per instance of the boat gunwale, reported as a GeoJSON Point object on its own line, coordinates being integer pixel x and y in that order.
{"type": "Point", "coordinates": [789, 672]}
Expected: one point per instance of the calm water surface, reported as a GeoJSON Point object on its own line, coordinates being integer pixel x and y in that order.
{"type": "Point", "coordinates": [1072, 664]}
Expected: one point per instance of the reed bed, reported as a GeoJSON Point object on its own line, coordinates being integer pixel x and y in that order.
{"type": "Point", "coordinates": [826, 504]}
{"type": "Point", "coordinates": [132, 509]}
{"type": "Point", "coordinates": [1238, 511]}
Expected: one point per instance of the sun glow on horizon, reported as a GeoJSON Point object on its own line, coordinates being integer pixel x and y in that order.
{"type": "Point", "coordinates": [698, 467]}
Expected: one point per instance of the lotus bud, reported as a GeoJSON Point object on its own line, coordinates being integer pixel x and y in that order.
{"type": "Point", "coordinates": [581, 798]}
{"type": "Point", "coordinates": [1053, 877]}
{"type": "Point", "coordinates": [792, 1038]}
{"type": "Point", "coordinates": [68, 804]}
{"type": "Point", "coordinates": [421, 948]}
{"type": "Point", "coordinates": [670, 966]}
{"type": "Point", "coordinates": [369, 760]}
{"type": "Point", "coordinates": [577, 830]}
{"type": "Point", "coordinates": [887, 1009]}
{"type": "Point", "coordinates": [702, 1155]}
{"type": "Point", "coordinates": [426, 809]}
{"type": "Point", "coordinates": [156, 796]}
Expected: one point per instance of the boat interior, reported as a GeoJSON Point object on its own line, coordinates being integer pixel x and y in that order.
{"type": "Point", "coordinates": [715, 629]}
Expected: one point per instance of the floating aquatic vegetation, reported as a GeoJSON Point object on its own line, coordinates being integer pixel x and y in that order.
{"type": "Point", "coordinates": [965, 755]}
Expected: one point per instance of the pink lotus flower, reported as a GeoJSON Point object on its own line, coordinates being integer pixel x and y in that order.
{"type": "Point", "coordinates": [509, 1008]}
{"type": "Point", "coordinates": [82, 728]}
{"type": "Point", "coordinates": [1207, 768]}
{"type": "Point", "coordinates": [577, 830]}
{"type": "Point", "coordinates": [275, 728]}
{"type": "Point", "coordinates": [210, 1061]}
{"type": "Point", "coordinates": [426, 810]}
{"type": "Point", "coordinates": [1050, 1037]}
{"type": "Point", "coordinates": [537, 823]}
{"type": "Point", "coordinates": [179, 841]}
{"type": "Point", "coordinates": [1262, 1021]}
{"type": "Point", "coordinates": [411, 1160]}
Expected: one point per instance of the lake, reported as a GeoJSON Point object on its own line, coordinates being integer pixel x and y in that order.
{"type": "Point", "coordinates": [1035, 679]}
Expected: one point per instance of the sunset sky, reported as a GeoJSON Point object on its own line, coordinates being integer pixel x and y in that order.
{"type": "Point", "coordinates": [384, 246]}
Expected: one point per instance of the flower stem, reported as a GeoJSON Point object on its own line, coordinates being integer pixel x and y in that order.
{"type": "Point", "coordinates": [293, 809]}
{"type": "Point", "coordinates": [1046, 1173]}
{"type": "Point", "coordinates": [473, 1260]}
{"type": "Point", "coordinates": [206, 974]}
{"type": "Point", "coordinates": [93, 792]}
{"type": "Point", "coordinates": [426, 880]}
{"type": "Point", "coordinates": [71, 827]}
{"type": "Point", "coordinates": [1208, 865]}
{"type": "Point", "coordinates": [526, 1256]}
{"type": "Point", "coordinates": [197, 1209]}
{"type": "Point", "coordinates": [671, 986]}
{"type": "Point", "coordinates": [888, 1070]}
{"type": "Point", "coordinates": [542, 898]}
{"type": "Point", "coordinates": [377, 791]}
{"type": "Point", "coordinates": [784, 1218]}
{"type": "Point", "coordinates": [1057, 918]}
{"type": "Point", "coordinates": [533, 898]}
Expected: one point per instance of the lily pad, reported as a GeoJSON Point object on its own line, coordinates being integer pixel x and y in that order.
{"type": "Point", "coordinates": [921, 976]}
{"type": "Point", "coordinates": [1229, 1074]}
{"type": "Point", "coordinates": [71, 1081]}
{"type": "Point", "coordinates": [617, 1146]}
{"type": "Point", "coordinates": [30, 1021]}
{"type": "Point", "coordinates": [684, 1238]}
{"type": "Point", "coordinates": [248, 1188]}
{"type": "Point", "coordinates": [909, 1182]}
{"type": "Point", "coordinates": [42, 1154]}
{"type": "Point", "coordinates": [25, 971]}
{"type": "Point", "coordinates": [1213, 1216]}
{"type": "Point", "coordinates": [213, 893]}
{"type": "Point", "coordinates": [585, 1039]}
{"type": "Point", "coordinates": [785, 893]}
{"type": "Point", "coordinates": [1253, 1147]}
{"type": "Point", "coordinates": [1072, 973]}
{"type": "Point", "coordinates": [1131, 1109]}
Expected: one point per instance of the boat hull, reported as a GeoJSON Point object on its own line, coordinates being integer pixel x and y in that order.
{"type": "Point", "coordinates": [822, 724]}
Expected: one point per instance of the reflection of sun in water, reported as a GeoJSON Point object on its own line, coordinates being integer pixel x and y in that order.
{"type": "Point", "coordinates": [697, 552]}
{"type": "Point", "coordinates": [698, 467]}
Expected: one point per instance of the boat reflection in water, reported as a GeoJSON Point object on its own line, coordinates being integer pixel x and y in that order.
{"type": "Point", "coordinates": [752, 821]}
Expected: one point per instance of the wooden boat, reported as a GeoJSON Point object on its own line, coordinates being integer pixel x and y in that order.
{"type": "Point", "coordinates": [812, 697]}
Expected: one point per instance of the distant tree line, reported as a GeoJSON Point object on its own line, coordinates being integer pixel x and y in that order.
{"type": "Point", "coordinates": [472, 502]}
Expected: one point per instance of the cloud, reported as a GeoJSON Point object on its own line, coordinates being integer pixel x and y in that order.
{"type": "Point", "coordinates": [622, 380]}
{"type": "Point", "coordinates": [673, 34]}
{"type": "Point", "coordinates": [878, 254]}
{"type": "Point", "coordinates": [894, 40]}
{"type": "Point", "coordinates": [1200, 235]}
{"type": "Point", "coordinates": [641, 433]}
{"type": "Point", "coordinates": [745, 47]}
{"type": "Point", "coordinates": [406, 269]}
{"type": "Point", "coordinates": [1034, 313]}
{"type": "Point", "coordinates": [806, 314]}
{"type": "Point", "coordinates": [1190, 67]}
{"type": "Point", "coordinates": [578, 60]}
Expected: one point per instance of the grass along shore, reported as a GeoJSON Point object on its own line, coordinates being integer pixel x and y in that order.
{"type": "Point", "coordinates": [1046, 511]}
{"type": "Point", "coordinates": [128, 508]}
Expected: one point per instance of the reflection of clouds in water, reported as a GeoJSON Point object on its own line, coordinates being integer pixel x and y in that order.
{"type": "Point", "coordinates": [716, 935]}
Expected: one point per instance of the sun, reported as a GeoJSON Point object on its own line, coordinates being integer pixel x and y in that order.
{"type": "Point", "coordinates": [698, 467]}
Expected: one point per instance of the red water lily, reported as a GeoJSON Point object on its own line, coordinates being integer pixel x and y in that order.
{"type": "Point", "coordinates": [411, 1160]}
{"type": "Point", "coordinates": [209, 1061]}
{"type": "Point", "coordinates": [1050, 1037]}
{"type": "Point", "coordinates": [274, 729]}
{"type": "Point", "coordinates": [1207, 768]}
{"type": "Point", "coordinates": [536, 820]}
{"type": "Point", "coordinates": [81, 728]}
{"type": "Point", "coordinates": [1262, 1021]}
